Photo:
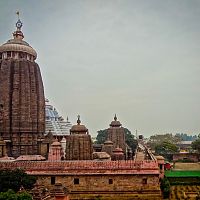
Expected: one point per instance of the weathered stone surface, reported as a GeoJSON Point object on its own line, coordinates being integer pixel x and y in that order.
{"type": "Point", "coordinates": [22, 97]}
{"type": "Point", "coordinates": [108, 179]}
{"type": "Point", "coordinates": [55, 151]}
{"type": "Point", "coordinates": [79, 143]}
{"type": "Point", "coordinates": [79, 147]}
{"type": "Point", "coordinates": [116, 134]}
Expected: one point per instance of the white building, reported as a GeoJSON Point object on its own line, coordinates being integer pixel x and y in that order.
{"type": "Point", "coordinates": [56, 123]}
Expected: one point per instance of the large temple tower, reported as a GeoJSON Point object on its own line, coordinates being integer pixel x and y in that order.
{"type": "Point", "coordinates": [22, 103]}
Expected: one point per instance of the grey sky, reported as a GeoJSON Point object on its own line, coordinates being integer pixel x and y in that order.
{"type": "Point", "coordinates": [138, 59]}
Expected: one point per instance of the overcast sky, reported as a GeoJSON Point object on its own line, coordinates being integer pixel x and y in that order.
{"type": "Point", "coordinates": [139, 59]}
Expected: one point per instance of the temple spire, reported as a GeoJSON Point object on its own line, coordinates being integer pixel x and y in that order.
{"type": "Point", "coordinates": [18, 33]}
{"type": "Point", "coordinates": [17, 13]}
{"type": "Point", "coordinates": [115, 118]}
{"type": "Point", "coordinates": [78, 121]}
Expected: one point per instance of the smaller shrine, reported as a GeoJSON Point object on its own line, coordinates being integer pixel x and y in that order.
{"type": "Point", "coordinates": [79, 143]}
{"type": "Point", "coordinates": [116, 134]}
{"type": "Point", "coordinates": [55, 151]}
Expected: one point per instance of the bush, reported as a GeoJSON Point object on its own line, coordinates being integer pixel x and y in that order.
{"type": "Point", "coordinates": [185, 160]}
{"type": "Point", "coordinates": [165, 187]}
{"type": "Point", "coordinates": [14, 179]}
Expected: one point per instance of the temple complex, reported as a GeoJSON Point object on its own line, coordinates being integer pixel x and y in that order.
{"type": "Point", "coordinates": [79, 143]}
{"type": "Point", "coordinates": [22, 102]}
{"type": "Point", "coordinates": [63, 159]}
{"type": "Point", "coordinates": [88, 179]}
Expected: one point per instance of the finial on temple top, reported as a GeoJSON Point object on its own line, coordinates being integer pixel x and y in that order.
{"type": "Point", "coordinates": [17, 13]}
{"type": "Point", "coordinates": [78, 121]}
{"type": "Point", "coordinates": [19, 23]}
{"type": "Point", "coordinates": [115, 117]}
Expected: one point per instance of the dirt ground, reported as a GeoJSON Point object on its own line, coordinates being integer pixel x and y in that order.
{"type": "Point", "coordinates": [187, 166]}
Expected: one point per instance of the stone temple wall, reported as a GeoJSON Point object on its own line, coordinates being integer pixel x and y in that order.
{"type": "Point", "coordinates": [111, 186]}
{"type": "Point", "coordinates": [93, 179]}
{"type": "Point", "coordinates": [22, 97]}
{"type": "Point", "coordinates": [117, 136]}
{"type": "Point", "coordinates": [79, 147]}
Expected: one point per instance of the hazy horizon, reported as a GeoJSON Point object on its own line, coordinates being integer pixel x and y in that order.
{"type": "Point", "coordinates": [138, 59]}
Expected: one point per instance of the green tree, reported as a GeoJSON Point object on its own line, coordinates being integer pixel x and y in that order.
{"type": "Point", "coordinates": [165, 148]}
{"type": "Point", "coordinates": [11, 195]}
{"type": "Point", "coordinates": [165, 187]}
{"type": "Point", "coordinates": [24, 196]}
{"type": "Point", "coordinates": [196, 144]}
{"type": "Point", "coordinates": [154, 140]}
{"type": "Point", "coordinates": [101, 136]}
{"type": "Point", "coordinates": [14, 179]}
{"type": "Point", "coordinates": [130, 140]}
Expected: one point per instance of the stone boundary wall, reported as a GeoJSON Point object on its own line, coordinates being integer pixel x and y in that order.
{"type": "Point", "coordinates": [65, 165]}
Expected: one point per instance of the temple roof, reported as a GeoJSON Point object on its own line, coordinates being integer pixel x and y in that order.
{"type": "Point", "coordinates": [78, 128]}
{"type": "Point", "coordinates": [30, 157]}
{"type": "Point", "coordinates": [85, 167]}
{"type": "Point", "coordinates": [55, 122]}
{"type": "Point", "coordinates": [118, 150]}
{"type": "Point", "coordinates": [115, 123]}
{"type": "Point", "coordinates": [108, 142]}
{"type": "Point", "coordinates": [56, 143]}
{"type": "Point", "coordinates": [6, 158]}
{"type": "Point", "coordinates": [17, 44]}
{"type": "Point", "coordinates": [159, 157]}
